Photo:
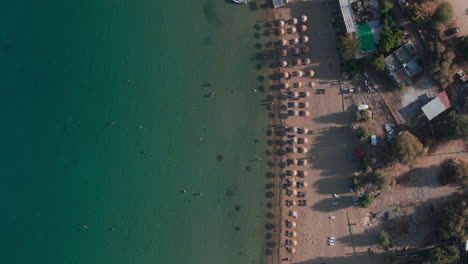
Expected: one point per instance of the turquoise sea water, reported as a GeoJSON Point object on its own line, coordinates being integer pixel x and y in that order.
{"type": "Point", "coordinates": [104, 120]}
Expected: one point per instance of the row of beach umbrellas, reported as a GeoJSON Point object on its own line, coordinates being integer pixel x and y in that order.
{"type": "Point", "coordinates": [286, 75]}
{"type": "Point", "coordinates": [291, 30]}
{"type": "Point", "coordinates": [284, 42]}
{"type": "Point", "coordinates": [292, 21]}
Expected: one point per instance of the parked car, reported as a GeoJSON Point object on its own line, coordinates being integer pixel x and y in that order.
{"type": "Point", "coordinates": [451, 31]}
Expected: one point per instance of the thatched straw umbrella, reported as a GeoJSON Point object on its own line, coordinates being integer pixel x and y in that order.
{"type": "Point", "coordinates": [306, 49]}
{"type": "Point", "coordinates": [302, 150]}
{"type": "Point", "coordinates": [285, 75]}
{"type": "Point", "coordinates": [292, 129]}
{"type": "Point", "coordinates": [296, 51]}
{"type": "Point", "coordinates": [280, 23]}
{"type": "Point", "coordinates": [294, 150]}
{"type": "Point", "coordinates": [307, 61]}
{"type": "Point", "coordinates": [306, 105]}
{"type": "Point", "coordinates": [296, 94]}
{"type": "Point", "coordinates": [305, 39]}
{"type": "Point", "coordinates": [294, 234]}
{"type": "Point", "coordinates": [283, 42]}
{"type": "Point", "coordinates": [307, 94]}
{"type": "Point", "coordinates": [292, 30]}
{"type": "Point", "coordinates": [284, 63]}
{"type": "Point", "coordinates": [303, 28]}
{"type": "Point", "coordinates": [299, 73]}
{"type": "Point", "coordinates": [311, 73]}
{"type": "Point", "coordinates": [305, 183]}
{"type": "Point", "coordinates": [298, 85]}
{"type": "Point", "coordinates": [286, 85]}
{"type": "Point", "coordinates": [284, 52]}
{"type": "Point", "coordinates": [306, 130]}
{"type": "Point", "coordinates": [293, 224]}
{"type": "Point", "coordinates": [307, 113]}
{"type": "Point", "coordinates": [303, 18]}
{"type": "Point", "coordinates": [293, 21]}
{"type": "Point", "coordinates": [294, 242]}
{"type": "Point", "coordinates": [305, 141]}
{"type": "Point", "coordinates": [294, 172]}
{"type": "Point", "coordinates": [294, 41]}
{"type": "Point", "coordinates": [298, 62]}
{"type": "Point", "coordinates": [280, 31]}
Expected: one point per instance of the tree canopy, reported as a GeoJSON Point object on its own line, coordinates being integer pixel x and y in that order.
{"type": "Point", "coordinates": [455, 125]}
{"type": "Point", "coordinates": [443, 14]}
{"type": "Point", "coordinates": [442, 255]}
{"type": "Point", "coordinates": [422, 11]}
{"type": "Point", "coordinates": [454, 224]}
{"type": "Point", "coordinates": [385, 239]}
{"type": "Point", "coordinates": [455, 171]}
{"type": "Point", "coordinates": [378, 63]}
{"type": "Point", "coordinates": [349, 44]}
{"type": "Point", "coordinates": [390, 36]}
{"type": "Point", "coordinates": [363, 133]}
{"type": "Point", "coordinates": [443, 68]}
{"type": "Point", "coordinates": [366, 200]}
{"type": "Point", "coordinates": [408, 148]}
{"type": "Point", "coordinates": [362, 116]}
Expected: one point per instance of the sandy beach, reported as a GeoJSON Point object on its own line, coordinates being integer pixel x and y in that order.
{"type": "Point", "coordinates": [328, 141]}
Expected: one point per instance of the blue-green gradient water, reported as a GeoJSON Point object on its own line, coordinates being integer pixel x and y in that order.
{"type": "Point", "coordinates": [104, 120]}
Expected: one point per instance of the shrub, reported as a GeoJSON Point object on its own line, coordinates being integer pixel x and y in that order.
{"type": "Point", "coordinates": [385, 240]}
{"type": "Point", "coordinates": [355, 68]}
{"type": "Point", "coordinates": [408, 148]}
{"type": "Point", "coordinates": [386, 7]}
{"type": "Point", "coordinates": [454, 224]}
{"type": "Point", "coordinates": [443, 14]}
{"type": "Point", "coordinates": [366, 201]}
{"type": "Point", "coordinates": [402, 87]}
{"type": "Point", "coordinates": [382, 180]}
{"type": "Point", "coordinates": [422, 11]}
{"type": "Point", "coordinates": [455, 125]}
{"type": "Point", "coordinates": [442, 255]}
{"type": "Point", "coordinates": [363, 133]}
{"type": "Point", "coordinates": [349, 44]}
{"type": "Point", "coordinates": [378, 63]}
{"type": "Point", "coordinates": [362, 116]}
{"type": "Point", "coordinates": [455, 171]}
{"type": "Point", "coordinates": [390, 36]}
{"type": "Point", "coordinates": [443, 68]}
{"type": "Point", "coordinates": [365, 165]}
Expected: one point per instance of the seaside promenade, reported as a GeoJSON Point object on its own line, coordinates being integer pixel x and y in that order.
{"type": "Point", "coordinates": [323, 228]}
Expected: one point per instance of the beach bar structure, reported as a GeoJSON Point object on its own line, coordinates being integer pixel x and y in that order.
{"type": "Point", "coordinates": [348, 16]}
{"type": "Point", "coordinates": [277, 3]}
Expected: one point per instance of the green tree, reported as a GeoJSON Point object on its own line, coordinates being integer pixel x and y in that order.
{"type": "Point", "coordinates": [402, 87]}
{"type": "Point", "coordinates": [442, 255]}
{"type": "Point", "coordinates": [378, 63]}
{"type": "Point", "coordinates": [349, 45]}
{"type": "Point", "coordinates": [408, 148]}
{"type": "Point", "coordinates": [443, 14]}
{"type": "Point", "coordinates": [390, 38]}
{"type": "Point", "coordinates": [385, 239]}
{"type": "Point", "coordinates": [365, 165]}
{"type": "Point", "coordinates": [362, 116]}
{"type": "Point", "coordinates": [355, 68]}
{"type": "Point", "coordinates": [455, 171]}
{"type": "Point", "coordinates": [366, 200]}
{"type": "Point", "coordinates": [386, 7]}
{"type": "Point", "coordinates": [454, 224]}
{"type": "Point", "coordinates": [382, 180]}
{"type": "Point", "coordinates": [455, 125]}
{"type": "Point", "coordinates": [363, 133]}
{"type": "Point", "coordinates": [443, 67]}
{"type": "Point", "coordinates": [422, 11]}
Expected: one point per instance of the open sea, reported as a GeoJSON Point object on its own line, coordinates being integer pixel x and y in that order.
{"type": "Point", "coordinates": [106, 116]}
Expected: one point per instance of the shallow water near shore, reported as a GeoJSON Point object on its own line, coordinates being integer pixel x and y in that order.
{"type": "Point", "coordinates": [106, 117]}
